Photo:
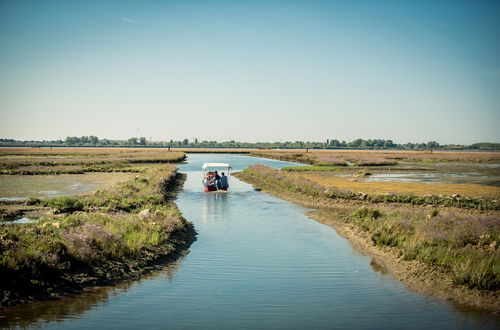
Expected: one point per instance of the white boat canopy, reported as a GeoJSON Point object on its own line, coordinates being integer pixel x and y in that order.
{"type": "Point", "coordinates": [206, 165]}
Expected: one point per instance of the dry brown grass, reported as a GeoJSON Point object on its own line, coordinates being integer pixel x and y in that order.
{"type": "Point", "coordinates": [382, 157]}
{"type": "Point", "coordinates": [348, 184]}
{"type": "Point", "coordinates": [216, 150]}
{"type": "Point", "coordinates": [69, 151]}
{"type": "Point", "coordinates": [14, 158]}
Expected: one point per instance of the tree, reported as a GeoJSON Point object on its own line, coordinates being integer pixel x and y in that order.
{"type": "Point", "coordinates": [185, 142]}
{"type": "Point", "coordinates": [142, 141]}
{"type": "Point", "coordinates": [421, 146]}
{"type": "Point", "coordinates": [72, 140]}
{"type": "Point", "coordinates": [132, 141]}
{"type": "Point", "coordinates": [334, 143]}
{"type": "Point", "coordinates": [389, 144]}
{"type": "Point", "coordinates": [410, 145]}
{"type": "Point", "coordinates": [356, 143]}
{"type": "Point", "coordinates": [432, 145]}
{"type": "Point", "coordinates": [94, 139]}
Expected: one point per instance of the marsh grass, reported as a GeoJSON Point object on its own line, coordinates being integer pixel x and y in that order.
{"type": "Point", "coordinates": [320, 168]}
{"type": "Point", "coordinates": [127, 220]}
{"type": "Point", "coordinates": [466, 247]}
{"type": "Point", "coordinates": [298, 183]}
{"type": "Point", "coordinates": [289, 157]}
{"type": "Point", "coordinates": [19, 161]}
{"type": "Point", "coordinates": [356, 183]}
{"type": "Point", "coordinates": [377, 157]}
{"type": "Point", "coordinates": [62, 204]}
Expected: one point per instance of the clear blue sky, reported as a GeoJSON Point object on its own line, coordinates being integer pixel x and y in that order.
{"type": "Point", "coordinates": [251, 70]}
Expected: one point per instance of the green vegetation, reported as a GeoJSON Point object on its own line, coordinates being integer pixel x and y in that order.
{"type": "Point", "coordinates": [62, 204]}
{"type": "Point", "coordinates": [461, 243]}
{"type": "Point", "coordinates": [485, 146]}
{"type": "Point", "coordinates": [376, 158]}
{"type": "Point", "coordinates": [375, 144]}
{"type": "Point", "coordinates": [78, 161]}
{"type": "Point", "coordinates": [310, 168]}
{"type": "Point", "coordinates": [465, 247]}
{"type": "Point", "coordinates": [291, 157]}
{"type": "Point", "coordinates": [93, 239]}
{"type": "Point", "coordinates": [280, 180]}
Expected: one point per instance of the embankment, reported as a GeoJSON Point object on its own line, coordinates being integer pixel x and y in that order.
{"type": "Point", "coordinates": [114, 234]}
{"type": "Point", "coordinates": [447, 251]}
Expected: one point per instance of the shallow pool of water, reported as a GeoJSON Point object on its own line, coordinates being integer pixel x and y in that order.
{"type": "Point", "coordinates": [21, 187]}
{"type": "Point", "coordinates": [22, 220]}
{"type": "Point", "coordinates": [454, 178]}
{"type": "Point", "coordinates": [258, 263]}
{"type": "Point", "coordinates": [420, 177]}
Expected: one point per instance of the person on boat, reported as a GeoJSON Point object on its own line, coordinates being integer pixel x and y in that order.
{"type": "Point", "coordinates": [217, 179]}
{"type": "Point", "coordinates": [223, 182]}
{"type": "Point", "coordinates": [208, 180]}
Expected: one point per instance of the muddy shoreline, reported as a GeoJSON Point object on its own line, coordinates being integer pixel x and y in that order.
{"type": "Point", "coordinates": [415, 275]}
{"type": "Point", "coordinates": [19, 287]}
{"type": "Point", "coordinates": [22, 290]}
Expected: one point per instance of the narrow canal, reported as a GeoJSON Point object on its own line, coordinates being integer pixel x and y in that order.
{"type": "Point", "coordinates": [258, 263]}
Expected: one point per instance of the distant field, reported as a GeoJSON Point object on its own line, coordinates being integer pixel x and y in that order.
{"type": "Point", "coordinates": [417, 188]}
{"type": "Point", "coordinates": [28, 161]}
{"type": "Point", "coordinates": [377, 157]}
{"type": "Point", "coordinates": [47, 173]}
{"type": "Point", "coordinates": [475, 174]}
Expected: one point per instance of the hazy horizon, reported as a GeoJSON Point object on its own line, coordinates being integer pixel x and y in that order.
{"type": "Point", "coordinates": [251, 71]}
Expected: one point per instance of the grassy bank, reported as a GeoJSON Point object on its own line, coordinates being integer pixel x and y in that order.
{"type": "Point", "coordinates": [376, 157]}
{"type": "Point", "coordinates": [25, 161]}
{"type": "Point", "coordinates": [447, 234]}
{"type": "Point", "coordinates": [296, 183]}
{"type": "Point", "coordinates": [115, 233]}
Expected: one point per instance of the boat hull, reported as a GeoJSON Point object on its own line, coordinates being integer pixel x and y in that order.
{"type": "Point", "coordinates": [209, 188]}
{"type": "Point", "coordinates": [213, 188]}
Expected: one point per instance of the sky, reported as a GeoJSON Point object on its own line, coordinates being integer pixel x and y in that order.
{"type": "Point", "coordinates": [409, 71]}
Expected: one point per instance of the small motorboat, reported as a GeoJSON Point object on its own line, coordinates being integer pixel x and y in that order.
{"type": "Point", "coordinates": [210, 181]}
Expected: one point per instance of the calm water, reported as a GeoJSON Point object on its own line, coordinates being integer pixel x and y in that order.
{"type": "Point", "coordinates": [21, 187]}
{"type": "Point", "coordinates": [258, 263]}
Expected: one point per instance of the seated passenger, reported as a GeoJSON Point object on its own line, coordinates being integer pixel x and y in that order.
{"type": "Point", "coordinates": [208, 180]}
{"type": "Point", "coordinates": [223, 183]}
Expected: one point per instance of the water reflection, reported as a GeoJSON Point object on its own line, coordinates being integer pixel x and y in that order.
{"type": "Point", "coordinates": [258, 263]}
{"type": "Point", "coordinates": [73, 306]}
{"type": "Point", "coordinates": [213, 205]}
{"type": "Point", "coordinates": [377, 267]}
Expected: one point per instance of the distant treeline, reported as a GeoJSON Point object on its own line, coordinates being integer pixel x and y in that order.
{"type": "Point", "coordinates": [94, 141]}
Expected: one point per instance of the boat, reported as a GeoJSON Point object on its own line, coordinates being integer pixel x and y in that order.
{"type": "Point", "coordinates": [209, 182]}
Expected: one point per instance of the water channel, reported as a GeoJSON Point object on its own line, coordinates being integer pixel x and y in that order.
{"type": "Point", "coordinates": [258, 263]}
